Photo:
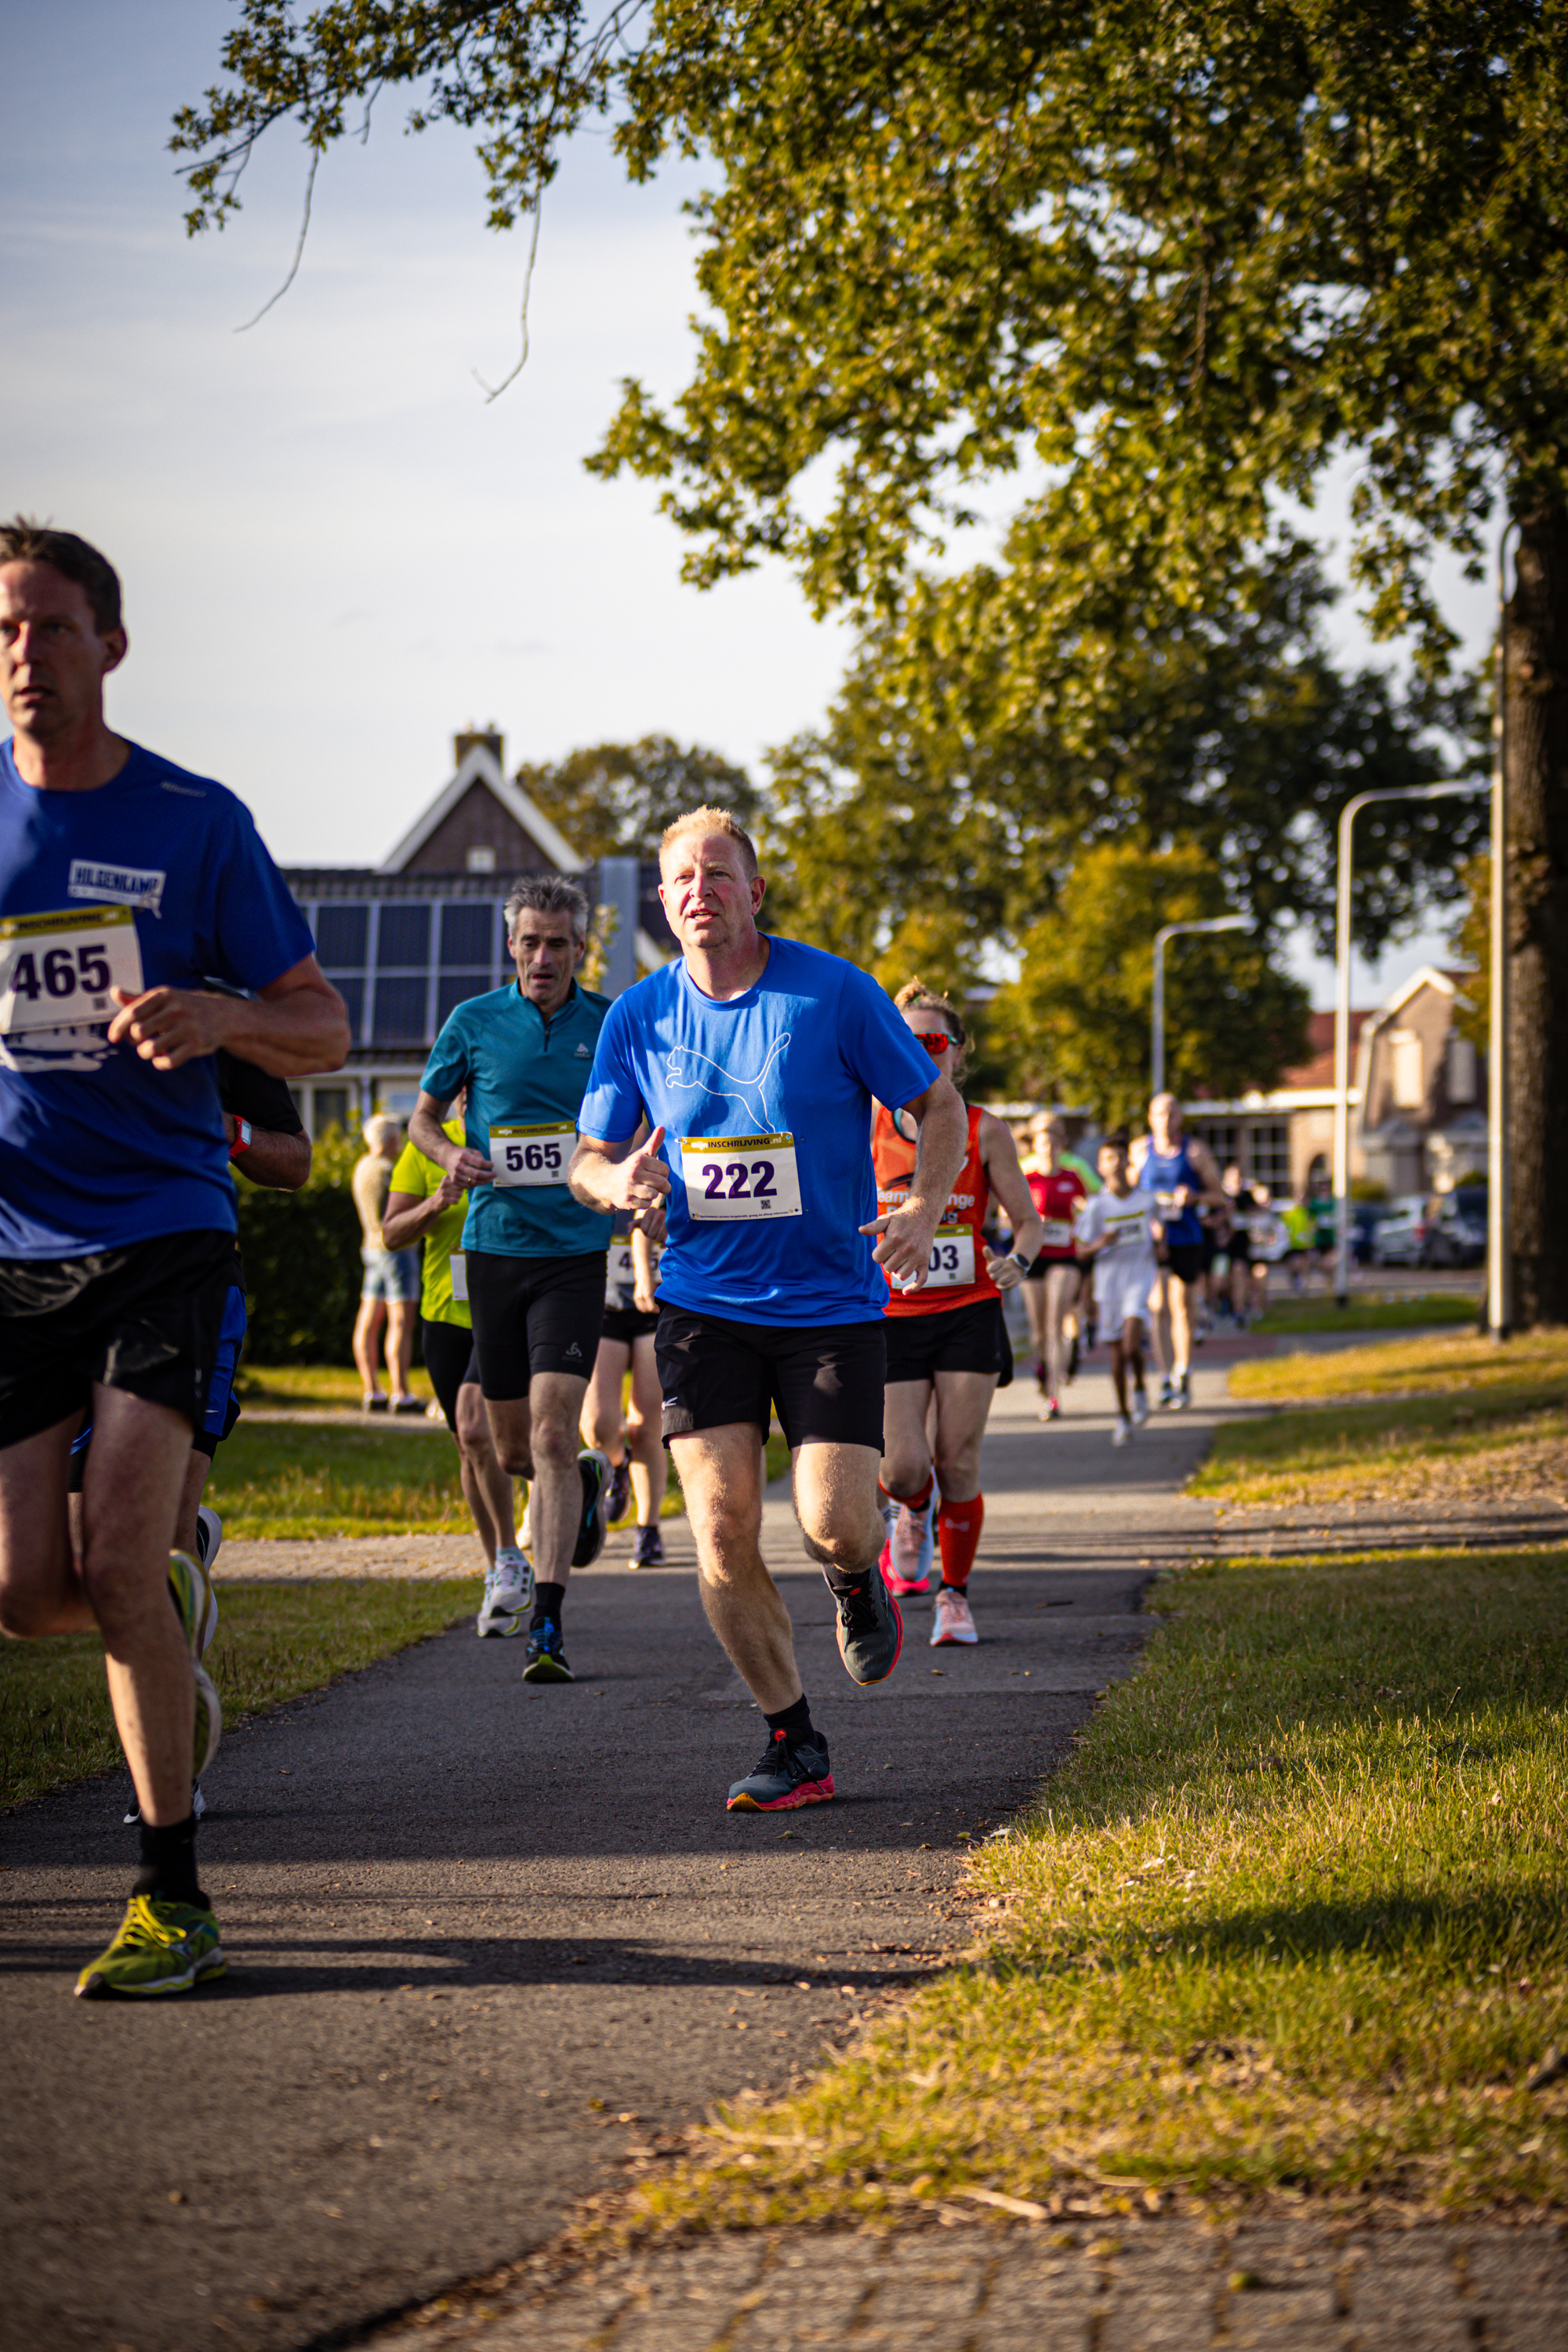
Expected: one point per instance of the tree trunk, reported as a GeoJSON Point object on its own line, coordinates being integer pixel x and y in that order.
{"type": "Point", "coordinates": [1536, 708]}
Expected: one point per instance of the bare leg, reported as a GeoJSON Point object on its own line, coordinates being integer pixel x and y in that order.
{"type": "Point", "coordinates": [135, 1467]}
{"type": "Point", "coordinates": [906, 1458]}
{"type": "Point", "coordinates": [650, 1465]}
{"type": "Point", "coordinates": [399, 1346]}
{"type": "Point", "coordinates": [1061, 1294]}
{"type": "Point", "coordinates": [1181, 1325]}
{"type": "Point", "coordinates": [367, 1331]}
{"type": "Point", "coordinates": [1133, 1349]}
{"type": "Point", "coordinates": [1119, 1372]}
{"type": "Point", "coordinates": [602, 1423]}
{"type": "Point", "coordinates": [836, 1502]}
{"type": "Point", "coordinates": [963, 1403]}
{"type": "Point", "coordinates": [487, 1487]}
{"type": "Point", "coordinates": [722, 1479]}
{"type": "Point", "coordinates": [1035, 1309]}
{"type": "Point", "coordinates": [536, 1437]}
{"type": "Point", "coordinates": [1160, 1299]}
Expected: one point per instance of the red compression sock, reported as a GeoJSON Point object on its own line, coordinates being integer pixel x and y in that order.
{"type": "Point", "coordinates": [911, 1502]}
{"type": "Point", "coordinates": [958, 1527]}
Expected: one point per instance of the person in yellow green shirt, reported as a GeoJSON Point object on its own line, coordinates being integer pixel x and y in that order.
{"type": "Point", "coordinates": [426, 1204]}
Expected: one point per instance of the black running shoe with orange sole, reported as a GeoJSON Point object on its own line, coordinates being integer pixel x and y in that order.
{"type": "Point", "coordinates": [789, 1772]}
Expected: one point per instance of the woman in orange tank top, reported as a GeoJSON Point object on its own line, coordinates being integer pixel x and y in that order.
{"type": "Point", "coordinates": [947, 1341]}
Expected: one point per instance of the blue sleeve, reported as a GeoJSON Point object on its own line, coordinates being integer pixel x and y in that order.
{"type": "Point", "coordinates": [449, 1066]}
{"type": "Point", "coordinates": [613, 1104]}
{"type": "Point", "coordinates": [876, 1045]}
{"type": "Point", "coordinates": [258, 933]}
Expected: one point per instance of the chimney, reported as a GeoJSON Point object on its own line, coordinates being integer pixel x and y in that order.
{"type": "Point", "coordinates": [490, 737]}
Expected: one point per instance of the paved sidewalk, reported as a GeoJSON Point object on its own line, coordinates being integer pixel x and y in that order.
{"type": "Point", "coordinates": [1144, 2286]}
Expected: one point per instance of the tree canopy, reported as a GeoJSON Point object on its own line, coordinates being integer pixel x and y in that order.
{"type": "Point", "coordinates": [1075, 1027]}
{"type": "Point", "coordinates": [614, 798]}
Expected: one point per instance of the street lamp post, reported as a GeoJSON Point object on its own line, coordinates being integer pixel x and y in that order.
{"type": "Point", "coordinates": [1499, 1250]}
{"type": "Point", "coordinates": [1348, 816]}
{"type": "Point", "coordinates": [1171, 931]}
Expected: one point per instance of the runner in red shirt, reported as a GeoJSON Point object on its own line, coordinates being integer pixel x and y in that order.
{"type": "Point", "coordinates": [947, 1339]}
{"type": "Point", "coordinates": [1051, 1291]}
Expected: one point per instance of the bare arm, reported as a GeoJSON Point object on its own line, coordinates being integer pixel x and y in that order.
{"type": "Point", "coordinates": [427, 1134]}
{"type": "Point", "coordinates": [296, 1027]}
{"type": "Point", "coordinates": [643, 1294]}
{"type": "Point", "coordinates": [408, 1216]}
{"type": "Point", "coordinates": [627, 1179]}
{"type": "Point", "coordinates": [906, 1232]}
{"type": "Point", "coordinates": [278, 1163]}
{"type": "Point", "coordinates": [1214, 1192]}
{"type": "Point", "coordinates": [999, 1157]}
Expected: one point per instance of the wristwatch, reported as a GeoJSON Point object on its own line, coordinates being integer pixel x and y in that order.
{"type": "Point", "coordinates": [243, 1138]}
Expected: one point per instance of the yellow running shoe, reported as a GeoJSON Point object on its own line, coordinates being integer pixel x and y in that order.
{"type": "Point", "coordinates": [190, 1587]}
{"type": "Point", "coordinates": [161, 1947]}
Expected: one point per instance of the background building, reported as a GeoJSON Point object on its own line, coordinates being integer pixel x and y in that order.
{"type": "Point", "coordinates": [1418, 1092]}
{"type": "Point", "coordinates": [407, 940]}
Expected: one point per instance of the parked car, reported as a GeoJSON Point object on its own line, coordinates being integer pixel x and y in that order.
{"type": "Point", "coordinates": [1457, 1232]}
{"type": "Point", "coordinates": [1401, 1236]}
{"type": "Point", "coordinates": [1366, 1216]}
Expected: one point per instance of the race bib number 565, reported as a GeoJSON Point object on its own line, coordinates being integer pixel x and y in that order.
{"type": "Point", "coordinates": [530, 1155]}
{"type": "Point", "coordinates": [731, 1176]}
{"type": "Point", "coordinates": [57, 971]}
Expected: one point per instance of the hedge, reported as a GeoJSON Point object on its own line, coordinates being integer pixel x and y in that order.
{"type": "Point", "coordinates": [302, 1265]}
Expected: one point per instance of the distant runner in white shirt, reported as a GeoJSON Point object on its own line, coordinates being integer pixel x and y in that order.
{"type": "Point", "coordinates": [1116, 1232]}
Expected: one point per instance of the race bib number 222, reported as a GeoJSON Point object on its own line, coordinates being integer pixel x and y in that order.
{"type": "Point", "coordinates": [735, 1176]}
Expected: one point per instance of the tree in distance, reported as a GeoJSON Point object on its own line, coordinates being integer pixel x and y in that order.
{"type": "Point", "coordinates": [1079, 1013]}
{"type": "Point", "coordinates": [614, 799]}
{"type": "Point", "coordinates": [1175, 261]}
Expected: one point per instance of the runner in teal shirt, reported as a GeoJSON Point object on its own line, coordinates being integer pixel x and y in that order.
{"type": "Point", "coordinates": [535, 1256]}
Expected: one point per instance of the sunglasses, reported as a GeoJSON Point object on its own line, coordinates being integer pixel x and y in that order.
{"type": "Point", "coordinates": [935, 1041]}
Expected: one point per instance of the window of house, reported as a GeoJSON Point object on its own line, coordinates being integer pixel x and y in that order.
{"type": "Point", "coordinates": [329, 1109]}
{"type": "Point", "coordinates": [1268, 1156]}
{"type": "Point", "coordinates": [1462, 1070]}
{"type": "Point", "coordinates": [1406, 1074]}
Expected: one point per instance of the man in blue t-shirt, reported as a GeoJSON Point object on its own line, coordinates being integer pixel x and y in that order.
{"type": "Point", "coordinates": [754, 1060]}
{"type": "Point", "coordinates": [122, 881]}
{"type": "Point", "coordinates": [534, 1255]}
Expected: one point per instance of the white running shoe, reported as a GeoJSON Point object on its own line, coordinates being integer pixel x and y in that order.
{"type": "Point", "coordinates": [209, 1535]}
{"type": "Point", "coordinates": [509, 1589]}
{"type": "Point", "coordinates": [1139, 1408]}
{"type": "Point", "coordinates": [1122, 1434]}
{"type": "Point", "coordinates": [1183, 1395]}
{"type": "Point", "coordinates": [951, 1620]}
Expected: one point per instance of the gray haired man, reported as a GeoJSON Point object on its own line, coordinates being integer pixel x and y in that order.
{"type": "Point", "coordinates": [534, 1257]}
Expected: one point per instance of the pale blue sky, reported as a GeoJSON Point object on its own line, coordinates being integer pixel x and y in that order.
{"type": "Point", "coordinates": [335, 552]}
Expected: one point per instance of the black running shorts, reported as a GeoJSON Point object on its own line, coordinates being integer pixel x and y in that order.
{"type": "Point", "coordinates": [824, 1379]}
{"type": "Point", "coordinates": [534, 1315]}
{"type": "Point", "coordinates": [144, 1319]}
{"type": "Point", "coordinates": [1185, 1260]}
{"type": "Point", "coordinates": [628, 1324]}
{"type": "Point", "coordinates": [972, 1338]}
{"type": "Point", "coordinates": [449, 1352]}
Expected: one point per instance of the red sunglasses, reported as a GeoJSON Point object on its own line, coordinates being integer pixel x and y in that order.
{"type": "Point", "coordinates": [935, 1041]}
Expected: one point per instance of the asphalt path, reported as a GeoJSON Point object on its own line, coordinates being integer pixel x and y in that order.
{"type": "Point", "coordinates": [485, 1937]}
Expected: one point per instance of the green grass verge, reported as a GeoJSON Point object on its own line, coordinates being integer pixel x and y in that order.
{"type": "Point", "coordinates": [1291, 1917]}
{"type": "Point", "coordinates": [1397, 1312]}
{"type": "Point", "coordinates": [274, 1642]}
{"type": "Point", "coordinates": [289, 1478]}
{"type": "Point", "coordinates": [1434, 1416]}
{"type": "Point", "coordinates": [295, 1479]}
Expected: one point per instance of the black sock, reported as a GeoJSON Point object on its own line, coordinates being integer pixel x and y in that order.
{"type": "Point", "coordinates": [168, 1863]}
{"type": "Point", "coordinates": [795, 1721]}
{"type": "Point", "coordinates": [549, 1601]}
{"type": "Point", "coordinates": [839, 1579]}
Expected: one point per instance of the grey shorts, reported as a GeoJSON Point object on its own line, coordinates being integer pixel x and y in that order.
{"type": "Point", "coordinates": [392, 1274]}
